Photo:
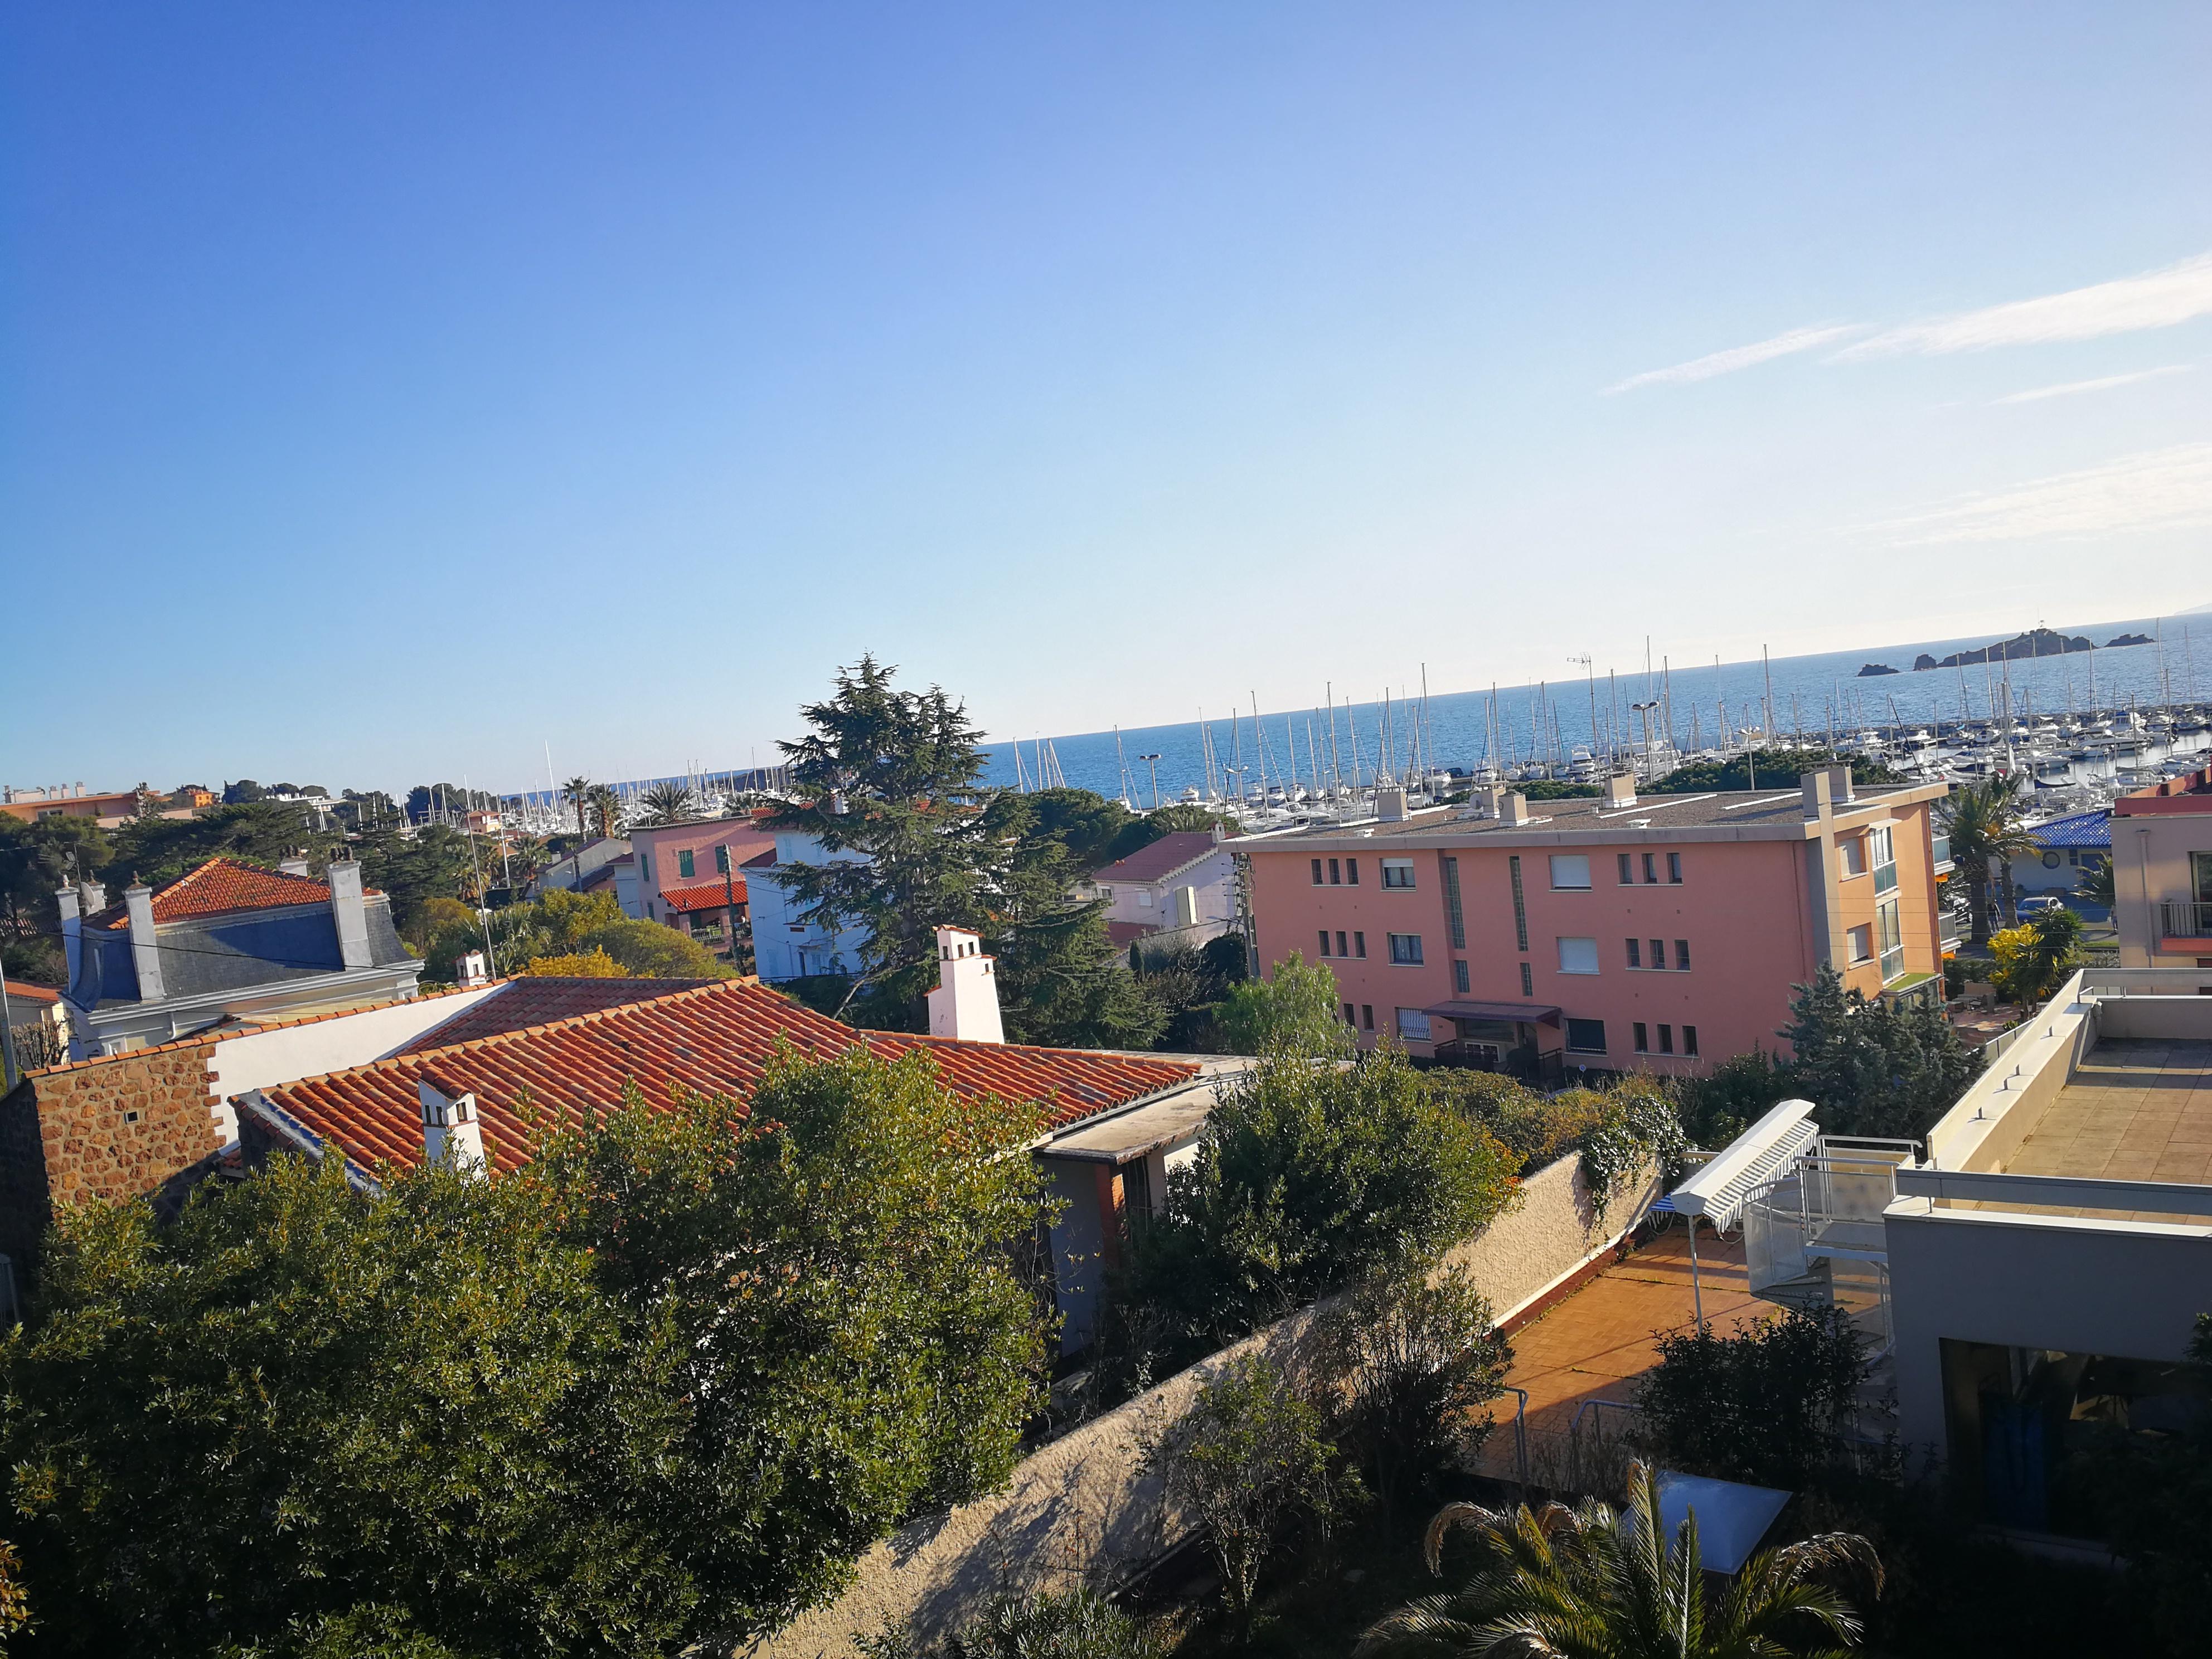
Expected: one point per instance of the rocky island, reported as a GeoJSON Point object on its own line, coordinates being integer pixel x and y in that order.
{"type": "Point", "coordinates": [2036, 642]}
{"type": "Point", "coordinates": [2127, 639]}
{"type": "Point", "coordinates": [1872, 669]}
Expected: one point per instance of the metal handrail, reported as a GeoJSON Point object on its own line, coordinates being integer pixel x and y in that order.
{"type": "Point", "coordinates": [2054, 1192]}
{"type": "Point", "coordinates": [1520, 1429]}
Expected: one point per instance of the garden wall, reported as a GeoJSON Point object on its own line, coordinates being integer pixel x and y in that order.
{"type": "Point", "coordinates": [1083, 1508]}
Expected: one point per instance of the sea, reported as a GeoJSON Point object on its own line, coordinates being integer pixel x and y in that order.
{"type": "Point", "coordinates": [1809, 696]}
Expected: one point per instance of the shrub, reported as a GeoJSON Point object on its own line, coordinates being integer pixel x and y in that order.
{"type": "Point", "coordinates": [1077, 1624]}
{"type": "Point", "coordinates": [1618, 1130]}
{"type": "Point", "coordinates": [1721, 1105]}
{"type": "Point", "coordinates": [1307, 1178]}
{"type": "Point", "coordinates": [1764, 1405]}
{"type": "Point", "coordinates": [1294, 1012]}
{"type": "Point", "coordinates": [649, 951]}
{"type": "Point", "coordinates": [1873, 1068]}
{"type": "Point", "coordinates": [1415, 1356]}
{"type": "Point", "coordinates": [582, 964]}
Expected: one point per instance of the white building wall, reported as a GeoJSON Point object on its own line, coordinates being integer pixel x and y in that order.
{"type": "Point", "coordinates": [785, 946]}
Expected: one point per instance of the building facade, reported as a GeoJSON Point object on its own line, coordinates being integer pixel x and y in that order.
{"type": "Point", "coordinates": [2162, 873]}
{"type": "Point", "coordinates": [685, 857]}
{"type": "Point", "coordinates": [1613, 933]}
{"type": "Point", "coordinates": [1183, 885]}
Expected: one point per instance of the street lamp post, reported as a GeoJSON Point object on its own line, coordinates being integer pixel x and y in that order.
{"type": "Point", "coordinates": [1153, 761]}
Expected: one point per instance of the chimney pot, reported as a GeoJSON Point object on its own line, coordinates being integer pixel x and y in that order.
{"type": "Point", "coordinates": [450, 1130]}
{"type": "Point", "coordinates": [470, 970]}
{"type": "Point", "coordinates": [965, 1004]}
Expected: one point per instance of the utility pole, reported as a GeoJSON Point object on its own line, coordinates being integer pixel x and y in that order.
{"type": "Point", "coordinates": [1153, 761]}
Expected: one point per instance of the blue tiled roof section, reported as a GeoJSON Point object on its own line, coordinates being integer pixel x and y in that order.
{"type": "Point", "coordinates": [2083, 829]}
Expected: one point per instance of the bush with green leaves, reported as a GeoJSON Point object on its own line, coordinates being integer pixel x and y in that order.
{"type": "Point", "coordinates": [1293, 1011]}
{"type": "Point", "coordinates": [1415, 1357]}
{"type": "Point", "coordinates": [1249, 1463]}
{"type": "Point", "coordinates": [1071, 1624]}
{"type": "Point", "coordinates": [660, 1386]}
{"type": "Point", "coordinates": [1620, 1130]}
{"type": "Point", "coordinates": [1765, 1404]}
{"type": "Point", "coordinates": [1873, 1068]}
{"type": "Point", "coordinates": [1307, 1177]}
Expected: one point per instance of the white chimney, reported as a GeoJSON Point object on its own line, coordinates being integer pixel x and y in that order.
{"type": "Point", "coordinates": [293, 867]}
{"type": "Point", "coordinates": [1621, 789]}
{"type": "Point", "coordinates": [1390, 806]}
{"type": "Point", "coordinates": [450, 1129]}
{"type": "Point", "coordinates": [72, 930]}
{"type": "Point", "coordinates": [965, 1004]}
{"type": "Point", "coordinates": [349, 913]}
{"type": "Point", "coordinates": [471, 969]}
{"type": "Point", "coordinates": [145, 955]}
{"type": "Point", "coordinates": [1517, 808]}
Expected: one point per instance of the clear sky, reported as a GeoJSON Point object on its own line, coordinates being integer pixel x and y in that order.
{"type": "Point", "coordinates": [386, 390]}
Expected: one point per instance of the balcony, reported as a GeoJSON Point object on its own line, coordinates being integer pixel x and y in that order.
{"type": "Point", "coordinates": [1941, 847]}
{"type": "Point", "coordinates": [2185, 919]}
{"type": "Point", "coordinates": [1892, 964]}
{"type": "Point", "coordinates": [1885, 879]}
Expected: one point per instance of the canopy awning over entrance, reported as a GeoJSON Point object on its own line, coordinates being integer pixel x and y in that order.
{"type": "Point", "coordinates": [1527, 1013]}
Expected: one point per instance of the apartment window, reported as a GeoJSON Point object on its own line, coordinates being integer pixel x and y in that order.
{"type": "Point", "coordinates": [645, 867]}
{"type": "Point", "coordinates": [1459, 975]}
{"type": "Point", "coordinates": [1520, 906]}
{"type": "Point", "coordinates": [1397, 873]}
{"type": "Point", "coordinates": [1636, 953]}
{"type": "Point", "coordinates": [1406, 950]}
{"type": "Point", "coordinates": [1316, 869]}
{"type": "Point", "coordinates": [1690, 1041]}
{"type": "Point", "coordinates": [1570, 873]}
{"type": "Point", "coordinates": [1351, 1016]}
{"type": "Point", "coordinates": [1658, 953]}
{"type": "Point", "coordinates": [1412, 1024]}
{"type": "Point", "coordinates": [1360, 944]}
{"type": "Point", "coordinates": [1454, 918]}
{"type": "Point", "coordinates": [1366, 1016]}
{"type": "Point", "coordinates": [1888, 924]}
{"type": "Point", "coordinates": [1627, 870]}
{"type": "Point", "coordinates": [1528, 981]}
{"type": "Point", "coordinates": [1880, 847]}
{"type": "Point", "coordinates": [1335, 874]}
{"type": "Point", "coordinates": [1650, 867]}
{"type": "Point", "coordinates": [1682, 954]}
{"type": "Point", "coordinates": [1640, 1033]}
{"type": "Point", "coordinates": [1341, 950]}
{"type": "Point", "coordinates": [1352, 872]}
{"type": "Point", "coordinates": [1578, 955]}
{"type": "Point", "coordinates": [1853, 849]}
{"type": "Point", "coordinates": [685, 864]}
{"type": "Point", "coordinates": [1666, 1039]}
{"type": "Point", "coordinates": [1861, 938]}
{"type": "Point", "coordinates": [1144, 898]}
{"type": "Point", "coordinates": [1324, 942]}
{"type": "Point", "coordinates": [1675, 868]}
{"type": "Point", "coordinates": [1586, 1037]}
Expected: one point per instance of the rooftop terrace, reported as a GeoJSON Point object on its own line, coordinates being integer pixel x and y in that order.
{"type": "Point", "coordinates": [1778, 809]}
{"type": "Point", "coordinates": [2133, 1108]}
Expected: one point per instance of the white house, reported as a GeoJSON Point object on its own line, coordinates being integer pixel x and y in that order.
{"type": "Point", "coordinates": [785, 945]}
{"type": "Point", "coordinates": [1183, 885]}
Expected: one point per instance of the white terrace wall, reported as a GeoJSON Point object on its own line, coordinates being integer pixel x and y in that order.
{"type": "Point", "coordinates": [1083, 1509]}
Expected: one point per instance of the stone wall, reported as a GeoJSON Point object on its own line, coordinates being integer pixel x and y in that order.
{"type": "Point", "coordinates": [1084, 1508]}
{"type": "Point", "coordinates": [124, 1126]}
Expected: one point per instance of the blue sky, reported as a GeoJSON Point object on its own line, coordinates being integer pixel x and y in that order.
{"type": "Point", "coordinates": [384, 390]}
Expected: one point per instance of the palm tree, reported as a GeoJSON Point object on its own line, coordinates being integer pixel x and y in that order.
{"type": "Point", "coordinates": [1984, 822]}
{"type": "Point", "coordinates": [576, 791]}
{"type": "Point", "coordinates": [2095, 886]}
{"type": "Point", "coordinates": [668, 802]}
{"type": "Point", "coordinates": [606, 806]}
{"type": "Point", "coordinates": [1592, 1581]}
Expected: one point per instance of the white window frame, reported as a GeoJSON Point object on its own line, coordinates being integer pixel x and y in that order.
{"type": "Point", "coordinates": [1565, 862]}
{"type": "Point", "coordinates": [1861, 953]}
{"type": "Point", "coordinates": [1412, 1026]}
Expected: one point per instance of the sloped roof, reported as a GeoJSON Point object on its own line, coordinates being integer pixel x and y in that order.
{"type": "Point", "coordinates": [1161, 858]}
{"type": "Point", "coordinates": [2081, 829]}
{"type": "Point", "coordinates": [541, 999]}
{"type": "Point", "coordinates": [715, 1037]}
{"type": "Point", "coordinates": [708, 896]}
{"type": "Point", "coordinates": [220, 887]}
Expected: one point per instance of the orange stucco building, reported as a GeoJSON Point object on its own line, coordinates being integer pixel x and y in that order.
{"type": "Point", "coordinates": [1612, 933]}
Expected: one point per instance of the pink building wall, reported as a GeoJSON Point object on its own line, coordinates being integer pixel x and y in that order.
{"type": "Point", "coordinates": [660, 855]}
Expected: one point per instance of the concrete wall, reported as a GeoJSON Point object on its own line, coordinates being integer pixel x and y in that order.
{"type": "Point", "coordinates": [1083, 1506]}
{"type": "Point", "coordinates": [2128, 1289]}
{"type": "Point", "coordinates": [2157, 1018]}
{"type": "Point", "coordinates": [2000, 1108]}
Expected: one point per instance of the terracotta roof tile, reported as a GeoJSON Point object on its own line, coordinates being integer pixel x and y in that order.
{"type": "Point", "coordinates": [23, 991]}
{"type": "Point", "coordinates": [710, 895]}
{"type": "Point", "coordinates": [217, 888]}
{"type": "Point", "coordinates": [541, 999]}
{"type": "Point", "coordinates": [715, 1037]}
{"type": "Point", "coordinates": [1159, 858]}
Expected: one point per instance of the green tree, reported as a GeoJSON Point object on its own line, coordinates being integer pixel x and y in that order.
{"type": "Point", "coordinates": [1063, 983]}
{"type": "Point", "coordinates": [1778, 766]}
{"type": "Point", "coordinates": [1765, 1404]}
{"type": "Point", "coordinates": [157, 851]}
{"type": "Point", "coordinates": [414, 870]}
{"type": "Point", "coordinates": [1593, 1581]}
{"type": "Point", "coordinates": [1247, 1463]}
{"type": "Point", "coordinates": [242, 792]}
{"type": "Point", "coordinates": [1875, 1069]}
{"type": "Point", "coordinates": [1984, 821]}
{"type": "Point", "coordinates": [1191, 985]}
{"type": "Point", "coordinates": [1292, 1011]}
{"type": "Point", "coordinates": [1075, 1624]}
{"type": "Point", "coordinates": [841, 1268]}
{"type": "Point", "coordinates": [37, 860]}
{"type": "Point", "coordinates": [2035, 958]}
{"type": "Point", "coordinates": [606, 807]}
{"type": "Point", "coordinates": [1306, 1178]}
{"type": "Point", "coordinates": [2095, 886]}
{"type": "Point", "coordinates": [649, 951]}
{"type": "Point", "coordinates": [577, 792]}
{"type": "Point", "coordinates": [668, 803]}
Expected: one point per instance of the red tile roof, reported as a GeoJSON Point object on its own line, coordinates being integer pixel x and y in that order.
{"type": "Point", "coordinates": [217, 888]}
{"type": "Point", "coordinates": [1156, 858]}
{"type": "Point", "coordinates": [709, 895]}
{"type": "Point", "coordinates": [712, 1037]}
{"type": "Point", "coordinates": [541, 999]}
{"type": "Point", "coordinates": [22, 991]}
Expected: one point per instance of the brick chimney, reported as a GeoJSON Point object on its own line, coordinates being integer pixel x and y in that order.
{"type": "Point", "coordinates": [349, 913]}
{"type": "Point", "coordinates": [450, 1129]}
{"type": "Point", "coordinates": [145, 955]}
{"type": "Point", "coordinates": [965, 1004]}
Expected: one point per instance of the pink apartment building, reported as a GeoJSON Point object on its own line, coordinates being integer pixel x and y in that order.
{"type": "Point", "coordinates": [2162, 873]}
{"type": "Point", "coordinates": [1609, 933]}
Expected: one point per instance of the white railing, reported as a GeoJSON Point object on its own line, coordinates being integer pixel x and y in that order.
{"type": "Point", "coordinates": [1828, 1204]}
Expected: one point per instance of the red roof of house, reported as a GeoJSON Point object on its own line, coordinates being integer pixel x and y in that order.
{"type": "Point", "coordinates": [708, 896]}
{"type": "Point", "coordinates": [22, 991]}
{"type": "Point", "coordinates": [541, 999]}
{"type": "Point", "coordinates": [1156, 858]}
{"type": "Point", "coordinates": [712, 1037]}
{"type": "Point", "coordinates": [218, 887]}
{"type": "Point", "coordinates": [1125, 933]}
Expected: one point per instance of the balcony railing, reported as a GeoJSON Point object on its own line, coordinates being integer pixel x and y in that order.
{"type": "Point", "coordinates": [1885, 879]}
{"type": "Point", "coordinates": [1942, 851]}
{"type": "Point", "coordinates": [2185, 919]}
{"type": "Point", "coordinates": [1893, 963]}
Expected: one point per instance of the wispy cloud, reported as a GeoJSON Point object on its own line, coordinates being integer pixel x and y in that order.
{"type": "Point", "coordinates": [2069, 388]}
{"type": "Point", "coordinates": [2157, 299]}
{"type": "Point", "coordinates": [2161, 489]}
{"type": "Point", "coordinates": [1727, 362]}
